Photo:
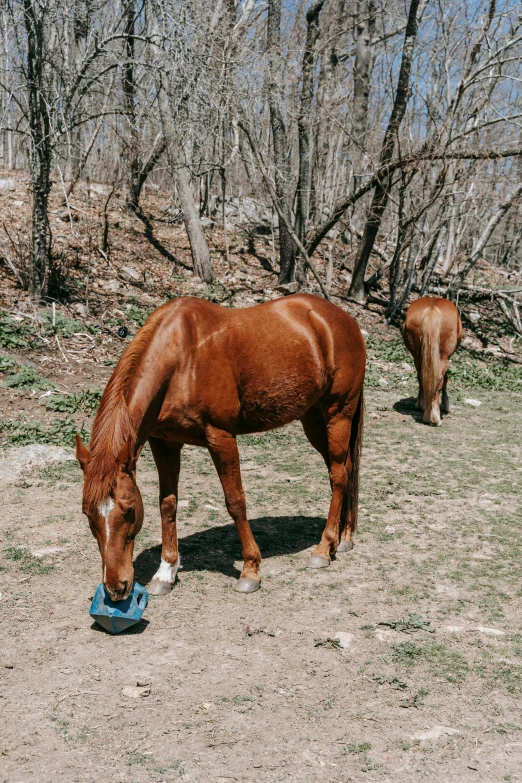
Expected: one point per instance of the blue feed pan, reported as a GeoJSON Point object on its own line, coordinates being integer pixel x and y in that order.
{"type": "Point", "coordinates": [116, 616]}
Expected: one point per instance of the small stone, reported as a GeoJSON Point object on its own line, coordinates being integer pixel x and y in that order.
{"type": "Point", "coordinates": [473, 403]}
{"type": "Point", "coordinates": [135, 692]}
{"type": "Point", "coordinates": [474, 317]}
{"type": "Point", "coordinates": [389, 529]}
{"type": "Point", "coordinates": [50, 550]}
{"type": "Point", "coordinates": [383, 382]}
{"type": "Point", "coordinates": [288, 288]}
{"type": "Point", "coordinates": [489, 631]}
{"type": "Point", "coordinates": [112, 285]}
{"type": "Point", "coordinates": [207, 705]}
{"type": "Point", "coordinates": [432, 735]}
{"type": "Point", "coordinates": [374, 416]}
{"type": "Point", "coordinates": [65, 216]}
{"type": "Point", "coordinates": [99, 188]}
{"type": "Point", "coordinates": [211, 508]}
{"type": "Point", "coordinates": [454, 628]}
{"type": "Point", "coordinates": [345, 639]}
{"type": "Point", "coordinates": [365, 333]}
{"type": "Point", "coordinates": [7, 184]}
{"type": "Point", "coordinates": [131, 274]}
{"type": "Point", "coordinates": [183, 503]}
{"type": "Point", "coordinates": [80, 309]}
{"type": "Point", "coordinates": [144, 682]}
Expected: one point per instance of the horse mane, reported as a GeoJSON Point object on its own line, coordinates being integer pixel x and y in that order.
{"type": "Point", "coordinates": [113, 427]}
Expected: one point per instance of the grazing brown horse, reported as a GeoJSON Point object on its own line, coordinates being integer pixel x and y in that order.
{"type": "Point", "coordinates": [432, 332]}
{"type": "Point", "coordinates": [201, 374]}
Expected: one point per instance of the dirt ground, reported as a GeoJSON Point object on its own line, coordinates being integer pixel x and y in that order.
{"type": "Point", "coordinates": [425, 683]}
{"type": "Point", "coordinates": [400, 662]}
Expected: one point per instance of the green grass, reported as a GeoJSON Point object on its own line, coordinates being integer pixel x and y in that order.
{"type": "Point", "coordinates": [86, 401]}
{"type": "Point", "coordinates": [28, 378]}
{"type": "Point", "coordinates": [19, 432]}
{"type": "Point", "coordinates": [14, 333]}
{"type": "Point", "coordinates": [444, 663]}
{"type": "Point", "coordinates": [26, 561]}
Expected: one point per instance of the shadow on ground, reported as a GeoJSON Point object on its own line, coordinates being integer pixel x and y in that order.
{"type": "Point", "coordinates": [407, 408]}
{"type": "Point", "coordinates": [216, 548]}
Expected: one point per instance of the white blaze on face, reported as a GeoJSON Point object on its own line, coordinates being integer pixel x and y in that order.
{"type": "Point", "coordinates": [167, 572]}
{"type": "Point", "coordinates": [104, 510]}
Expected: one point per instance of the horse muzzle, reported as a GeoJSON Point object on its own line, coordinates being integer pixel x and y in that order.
{"type": "Point", "coordinates": [118, 591]}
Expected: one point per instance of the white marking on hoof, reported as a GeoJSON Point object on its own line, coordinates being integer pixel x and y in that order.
{"type": "Point", "coordinates": [167, 572]}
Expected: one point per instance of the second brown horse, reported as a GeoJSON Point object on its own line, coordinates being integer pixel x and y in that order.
{"type": "Point", "coordinates": [432, 332]}
{"type": "Point", "coordinates": [201, 374]}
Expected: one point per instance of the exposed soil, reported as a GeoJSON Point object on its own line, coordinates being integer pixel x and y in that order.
{"type": "Point", "coordinates": [249, 688]}
{"type": "Point", "coordinates": [425, 679]}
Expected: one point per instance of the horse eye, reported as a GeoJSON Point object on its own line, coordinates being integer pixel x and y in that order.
{"type": "Point", "coordinates": [129, 514]}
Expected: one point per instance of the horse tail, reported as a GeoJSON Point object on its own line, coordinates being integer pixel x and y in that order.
{"type": "Point", "coordinates": [430, 354]}
{"type": "Point", "coordinates": [356, 439]}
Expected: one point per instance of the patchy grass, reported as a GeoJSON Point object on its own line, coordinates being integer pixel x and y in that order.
{"type": "Point", "coordinates": [19, 432]}
{"type": "Point", "coordinates": [85, 401]}
{"type": "Point", "coordinates": [28, 378]}
{"type": "Point", "coordinates": [26, 561]}
{"type": "Point", "coordinates": [469, 369]}
{"type": "Point", "coordinates": [14, 333]}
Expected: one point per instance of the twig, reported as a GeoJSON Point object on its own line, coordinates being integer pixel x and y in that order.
{"type": "Point", "coordinates": [9, 262]}
{"type": "Point", "coordinates": [60, 348]}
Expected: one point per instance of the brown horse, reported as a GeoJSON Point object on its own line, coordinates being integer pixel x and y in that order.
{"type": "Point", "coordinates": [201, 374]}
{"type": "Point", "coordinates": [432, 332]}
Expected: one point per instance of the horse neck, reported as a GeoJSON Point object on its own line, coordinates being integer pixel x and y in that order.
{"type": "Point", "coordinates": [144, 395]}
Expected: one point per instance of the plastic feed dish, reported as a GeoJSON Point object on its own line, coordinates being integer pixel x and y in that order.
{"type": "Point", "coordinates": [116, 616]}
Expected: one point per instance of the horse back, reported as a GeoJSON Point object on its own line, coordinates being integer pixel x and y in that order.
{"type": "Point", "coordinates": [258, 368]}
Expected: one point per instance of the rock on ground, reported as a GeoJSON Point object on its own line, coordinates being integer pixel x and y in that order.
{"type": "Point", "coordinates": [18, 459]}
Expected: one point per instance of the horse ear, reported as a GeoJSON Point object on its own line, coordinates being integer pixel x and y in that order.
{"type": "Point", "coordinates": [126, 458]}
{"type": "Point", "coordinates": [83, 454]}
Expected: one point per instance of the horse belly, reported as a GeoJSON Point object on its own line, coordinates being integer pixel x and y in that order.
{"type": "Point", "coordinates": [271, 400]}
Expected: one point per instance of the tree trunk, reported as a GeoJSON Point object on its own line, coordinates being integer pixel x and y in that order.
{"type": "Point", "coordinates": [381, 193]}
{"type": "Point", "coordinates": [198, 243]}
{"type": "Point", "coordinates": [275, 102]}
{"type": "Point", "coordinates": [129, 96]}
{"type": "Point", "coordinates": [304, 120]}
{"type": "Point", "coordinates": [361, 87]}
{"type": "Point", "coordinates": [41, 152]}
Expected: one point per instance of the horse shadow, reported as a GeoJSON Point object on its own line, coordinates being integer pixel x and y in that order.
{"type": "Point", "coordinates": [216, 548]}
{"type": "Point", "coordinates": [406, 407]}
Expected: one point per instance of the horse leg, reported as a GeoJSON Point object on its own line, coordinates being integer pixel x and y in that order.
{"type": "Point", "coordinates": [419, 405]}
{"type": "Point", "coordinates": [315, 430]}
{"type": "Point", "coordinates": [338, 430]}
{"type": "Point", "coordinates": [167, 461]}
{"type": "Point", "coordinates": [445, 405]}
{"type": "Point", "coordinates": [225, 456]}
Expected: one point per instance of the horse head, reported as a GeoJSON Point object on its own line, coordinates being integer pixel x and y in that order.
{"type": "Point", "coordinates": [115, 516]}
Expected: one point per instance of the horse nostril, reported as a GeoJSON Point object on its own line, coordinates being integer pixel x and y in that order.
{"type": "Point", "coordinates": [124, 591]}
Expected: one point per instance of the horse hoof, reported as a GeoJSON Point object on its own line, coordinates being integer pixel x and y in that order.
{"type": "Point", "coordinates": [345, 546]}
{"type": "Point", "coordinates": [318, 561]}
{"type": "Point", "coordinates": [157, 587]}
{"type": "Point", "coordinates": [246, 585]}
